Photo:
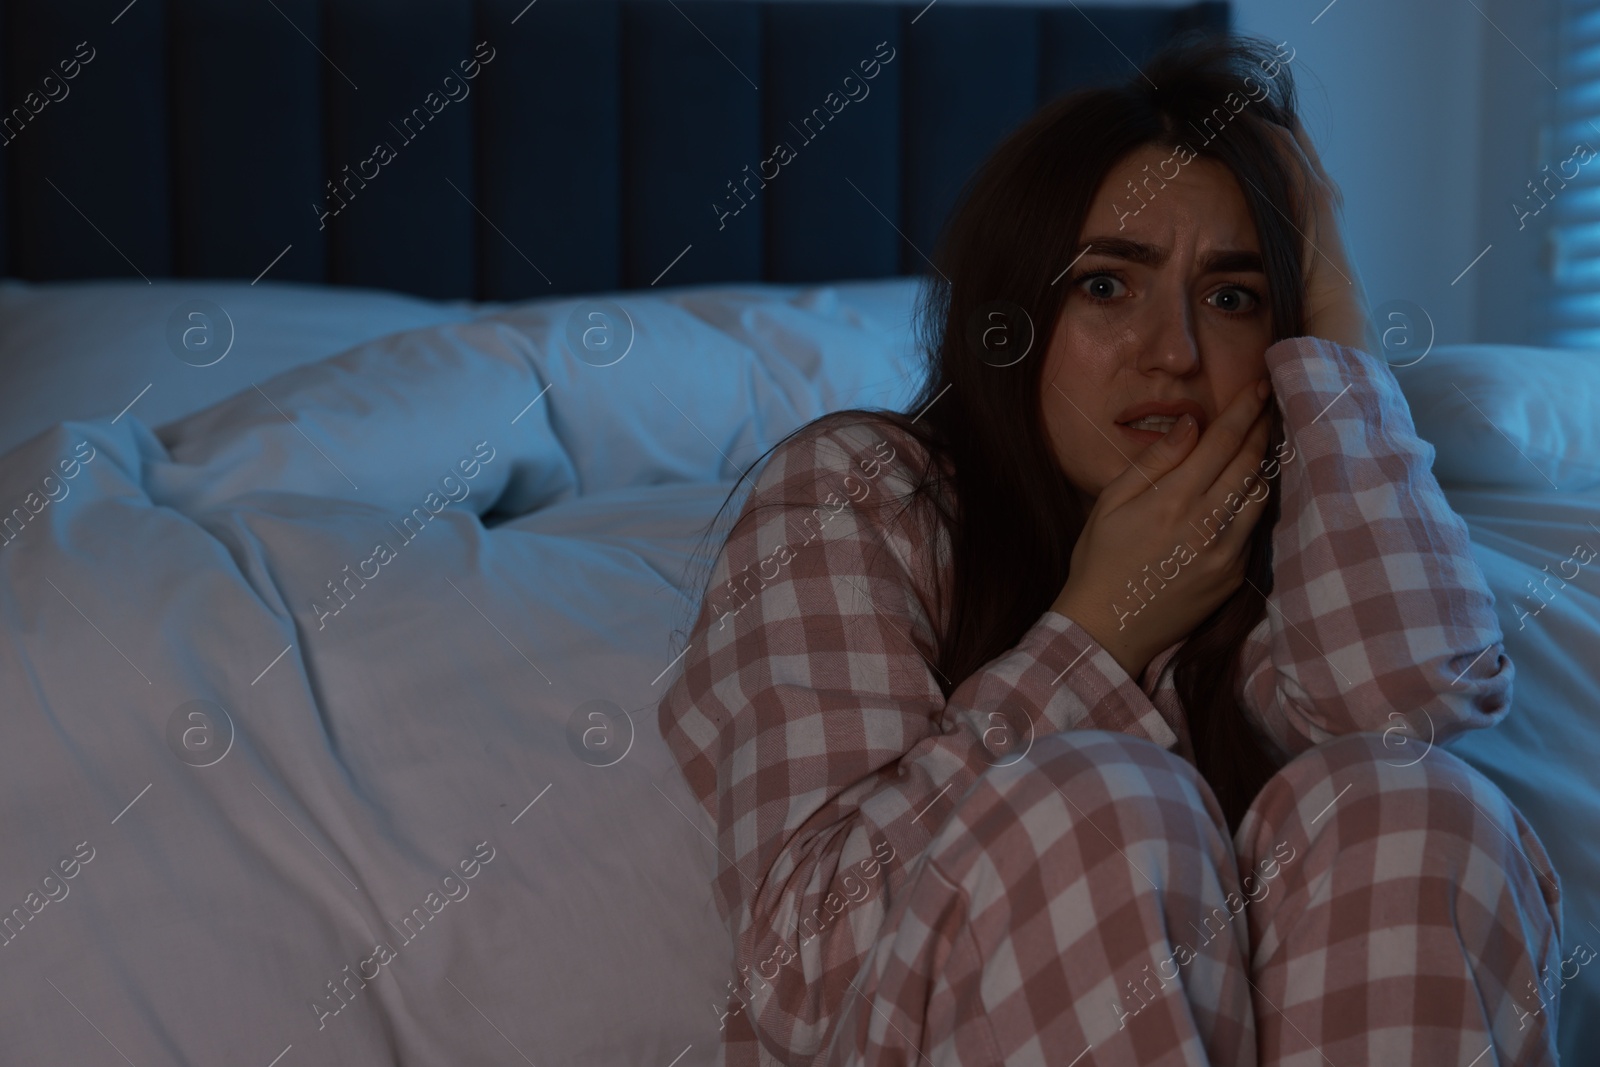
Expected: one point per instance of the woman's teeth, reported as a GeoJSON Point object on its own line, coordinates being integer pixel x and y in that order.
{"type": "Point", "coordinates": [1158, 423]}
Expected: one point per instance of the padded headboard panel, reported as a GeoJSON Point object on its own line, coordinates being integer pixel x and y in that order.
{"type": "Point", "coordinates": [600, 144]}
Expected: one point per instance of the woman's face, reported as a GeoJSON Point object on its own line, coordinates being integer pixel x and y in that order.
{"type": "Point", "coordinates": [1165, 314]}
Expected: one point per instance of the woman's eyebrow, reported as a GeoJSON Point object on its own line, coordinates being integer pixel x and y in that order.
{"type": "Point", "coordinates": [1148, 255]}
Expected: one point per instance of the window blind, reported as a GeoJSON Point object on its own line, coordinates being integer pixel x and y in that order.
{"type": "Point", "coordinates": [1567, 186]}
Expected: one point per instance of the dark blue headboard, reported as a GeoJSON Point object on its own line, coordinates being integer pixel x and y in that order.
{"type": "Point", "coordinates": [197, 138]}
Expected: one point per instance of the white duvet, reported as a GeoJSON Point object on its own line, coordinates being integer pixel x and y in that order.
{"type": "Point", "coordinates": [339, 772]}
{"type": "Point", "coordinates": [329, 728]}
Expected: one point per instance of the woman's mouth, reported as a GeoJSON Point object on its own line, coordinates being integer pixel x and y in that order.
{"type": "Point", "coordinates": [1157, 423]}
{"type": "Point", "coordinates": [1149, 421]}
{"type": "Point", "coordinates": [1141, 433]}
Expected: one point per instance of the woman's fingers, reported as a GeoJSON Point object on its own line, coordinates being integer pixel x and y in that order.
{"type": "Point", "coordinates": [1235, 503]}
{"type": "Point", "coordinates": [1314, 188]}
{"type": "Point", "coordinates": [1336, 301]}
{"type": "Point", "coordinates": [1147, 468]}
{"type": "Point", "coordinates": [1223, 439]}
{"type": "Point", "coordinates": [1312, 161]}
{"type": "Point", "coordinates": [1289, 144]}
{"type": "Point", "coordinates": [1245, 460]}
{"type": "Point", "coordinates": [1133, 528]}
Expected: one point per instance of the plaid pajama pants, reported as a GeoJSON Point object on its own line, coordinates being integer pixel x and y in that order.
{"type": "Point", "coordinates": [1085, 906]}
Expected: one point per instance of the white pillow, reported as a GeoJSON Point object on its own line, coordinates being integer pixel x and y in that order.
{"type": "Point", "coordinates": [80, 350]}
{"type": "Point", "coordinates": [1508, 416]}
{"type": "Point", "coordinates": [692, 385]}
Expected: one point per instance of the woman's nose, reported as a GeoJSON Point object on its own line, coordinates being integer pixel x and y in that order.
{"type": "Point", "coordinates": [1169, 342]}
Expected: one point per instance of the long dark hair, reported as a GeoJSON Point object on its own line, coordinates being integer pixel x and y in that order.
{"type": "Point", "coordinates": [1011, 513]}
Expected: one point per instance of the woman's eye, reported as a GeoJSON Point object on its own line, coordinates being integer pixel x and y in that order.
{"type": "Point", "coordinates": [1100, 287]}
{"type": "Point", "coordinates": [1235, 300]}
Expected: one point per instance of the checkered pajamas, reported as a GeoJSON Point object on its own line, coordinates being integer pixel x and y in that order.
{"type": "Point", "coordinates": [1032, 870]}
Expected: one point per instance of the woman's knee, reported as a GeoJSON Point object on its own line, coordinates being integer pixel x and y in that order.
{"type": "Point", "coordinates": [1351, 783]}
{"type": "Point", "coordinates": [1113, 788]}
{"type": "Point", "coordinates": [1413, 810]}
{"type": "Point", "coordinates": [1096, 767]}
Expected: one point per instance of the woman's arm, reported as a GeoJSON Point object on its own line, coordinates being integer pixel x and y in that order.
{"type": "Point", "coordinates": [1379, 617]}
{"type": "Point", "coordinates": [809, 721]}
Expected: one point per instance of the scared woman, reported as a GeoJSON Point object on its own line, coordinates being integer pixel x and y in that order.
{"type": "Point", "coordinates": [1090, 712]}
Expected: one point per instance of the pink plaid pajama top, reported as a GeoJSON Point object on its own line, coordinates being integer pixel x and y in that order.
{"type": "Point", "coordinates": [808, 720]}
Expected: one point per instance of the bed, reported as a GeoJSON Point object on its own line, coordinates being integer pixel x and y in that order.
{"type": "Point", "coordinates": [335, 606]}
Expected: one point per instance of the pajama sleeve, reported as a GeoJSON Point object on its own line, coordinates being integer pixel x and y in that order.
{"type": "Point", "coordinates": [809, 721]}
{"type": "Point", "coordinates": [1379, 618]}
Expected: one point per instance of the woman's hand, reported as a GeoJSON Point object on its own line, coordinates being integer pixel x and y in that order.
{"type": "Point", "coordinates": [1336, 301]}
{"type": "Point", "coordinates": [1148, 527]}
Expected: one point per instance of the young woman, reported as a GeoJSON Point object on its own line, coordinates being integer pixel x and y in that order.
{"type": "Point", "coordinates": [1090, 712]}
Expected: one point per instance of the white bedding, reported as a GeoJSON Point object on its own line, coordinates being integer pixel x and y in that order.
{"type": "Point", "coordinates": [406, 732]}
{"type": "Point", "coordinates": [443, 719]}
{"type": "Point", "coordinates": [79, 350]}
